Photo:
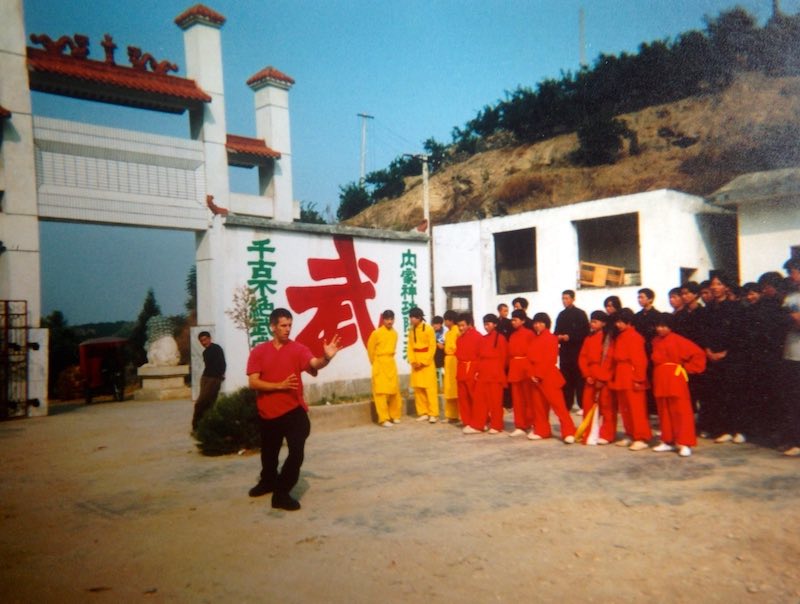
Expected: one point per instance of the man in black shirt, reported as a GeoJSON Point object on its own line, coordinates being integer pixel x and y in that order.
{"type": "Point", "coordinates": [572, 327]}
{"type": "Point", "coordinates": [213, 374]}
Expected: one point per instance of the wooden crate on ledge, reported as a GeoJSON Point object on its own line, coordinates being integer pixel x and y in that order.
{"type": "Point", "coordinates": [593, 274]}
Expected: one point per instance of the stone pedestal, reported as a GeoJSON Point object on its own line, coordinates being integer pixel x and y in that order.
{"type": "Point", "coordinates": [163, 383]}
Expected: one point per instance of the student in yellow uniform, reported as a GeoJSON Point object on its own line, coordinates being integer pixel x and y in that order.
{"type": "Point", "coordinates": [450, 367]}
{"type": "Point", "coordinates": [420, 350]}
{"type": "Point", "coordinates": [381, 348]}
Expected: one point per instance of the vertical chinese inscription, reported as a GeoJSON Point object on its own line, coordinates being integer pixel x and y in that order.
{"type": "Point", "coordinates": [264, 285]}
{"type": "Point", "coordinates": [408, 276]}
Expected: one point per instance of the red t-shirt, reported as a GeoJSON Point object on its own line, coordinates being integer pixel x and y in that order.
{"type": "Point", "coordinates": [275, 365]}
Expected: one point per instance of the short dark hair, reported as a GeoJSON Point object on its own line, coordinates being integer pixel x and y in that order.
{"type": "Point", "coordinates": [792, 263]}
{"type": "Point", "coordinates": [569, 292]}
{"type": "Point", "coordinates": [437, 320]}
{"type": "Point", "coordinates": [519, 314]}
{"type": "Point", "coordinates": [416, 313]}
{"type": "Point", "coordinates": [625, 316]}
{"type": "Point", "coordinates": [692, 287]}
{"type": "Point", "coordinates": [599, 315]}
{"type": "Point", "coordinates": [490, 318]}
{"type": "Point", "coordinates": [279, 313]}
{"type": "Point", "coordinates": [751, 286]}
{"type": "Point", "coordinates": [466, 317]}
{"type": "Point", "coordinates": [651, 295]}
{"type": "Point", "coordinates": [501, 305]}
{"type": "Point", "coordinates": [705, 284]}
{"type": "Point", "coordinates": [203, 334]}
{"type": "Point", "coordinates": [666, 319]}
{"type": "Point", "coordinates": [450, 315]}
{"type": "Point", "coordinates": [387, 314]}
{"type": "Point", "coordinates": [772, 279]}
{"type": "Point", "coordinates": [723, 278]}
{"type": "Point", "coordinates": [675, 291]}
{"type": "Point", "coordinates": [542, 317]}
{"type": "Point", "coordinates": [522, 302]}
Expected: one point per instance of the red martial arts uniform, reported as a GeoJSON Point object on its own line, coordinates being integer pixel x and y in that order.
{"type": "Point", "coordinates": [596, 364]}
{"type": "Point", "coordinates": [518, 378]}
{"type": "Point", "coordinates": [490, 381]}
{"type": "Point", "coordinates": [467, 355]}
{"type": "Point", "coordinates": [673, 358]}
{"type": "Point", "coordinates": [630, 365]}
{"type": "Point", "coordinates": [547, 393]}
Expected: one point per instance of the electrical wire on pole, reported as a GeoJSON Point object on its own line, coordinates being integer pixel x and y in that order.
{"type": "Point", "coordinates": [363, 173]}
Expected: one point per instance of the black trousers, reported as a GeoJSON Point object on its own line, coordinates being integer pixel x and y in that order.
{"type": "Point", "coordinates": [209, 389]}
{"type": "Point", "coordinates": [295, 427]}
{"type": "Point", "coordinates": [573, 386]}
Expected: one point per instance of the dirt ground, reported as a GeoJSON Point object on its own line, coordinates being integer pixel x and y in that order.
{"type": "Point", "coordinates": [112, 503]}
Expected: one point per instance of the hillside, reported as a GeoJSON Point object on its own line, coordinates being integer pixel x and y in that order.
{"type": "Point", "coordinates": [693, 145]}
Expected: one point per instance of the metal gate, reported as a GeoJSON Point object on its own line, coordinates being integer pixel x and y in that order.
{"type": "Point", "coordinates": [13, 358]}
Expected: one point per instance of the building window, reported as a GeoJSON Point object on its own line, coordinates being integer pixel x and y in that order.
{"type": "Point", "coordinates": [608, 251]}
{"type": "Point", "coordinates": [515, 261]}
{"type": "Point", "coordinates": [459, 298]}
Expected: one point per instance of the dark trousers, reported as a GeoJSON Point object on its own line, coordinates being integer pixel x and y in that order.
{"type": "Point", "coordinates": [295, 428]}
{"type": "Point", "coordinates": [573, 387]}
{"type": "Point", "coordinates": [209, 389]}
{"type": "Point", "coordinates": [790, 389]}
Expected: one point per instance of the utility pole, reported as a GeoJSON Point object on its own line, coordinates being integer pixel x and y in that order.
{"type": "Point", "coordinates": [364, 117]}
{"type": "Point", "coordinates": [582, 37]}
{"type": "Point", "coordinates": [426, 214]}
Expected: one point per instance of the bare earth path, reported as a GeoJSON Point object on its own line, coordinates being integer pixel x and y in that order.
{"type": "Point", "coordinates": [112, 503]}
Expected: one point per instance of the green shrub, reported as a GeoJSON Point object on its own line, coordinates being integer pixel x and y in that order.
{"type": "Point", "coordinates": [230, 425]}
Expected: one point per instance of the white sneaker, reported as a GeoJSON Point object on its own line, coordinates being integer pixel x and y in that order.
{"type": "Point", "coordinates": [602, 441]}
{"type": "Point", "coordinates": [685, 451]}
{"type": "Point", "coordinates": [387, 424]}
{"type": "Point", "coordinates": [638, 445]}
{"type": "Point", "coordinates": [623, 442]}
{"type": "Point", "coordinates": [433, 420]}
{"type": "Point", "coordinates": [793, 452]}
{"type": "Point", "coordinates": [470, 430]}
{"type": "Point", "coordinates": [423, 418]}
{"type": "Point", "coordinates": [568, 440]}
{"type": "Point", "coordinates": [725, 438]}
{"type": "Point", "coordinates": [493, 431]}
{"type": "Point", "coordinates": [396, 421]}
{"type": "Point", "coordinates": [517, 432]}
{"type": "Point", "coordinates": [534, 436]}
{"type": "Point", "coordinates": [739, 438]}
{"type": "Point", "coordinates": [663, 448]}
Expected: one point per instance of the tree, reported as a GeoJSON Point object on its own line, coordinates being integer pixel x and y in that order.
{"type": "Point", "coordinates": [353, 199]}
{"type": "Point", "coordinates": [600, 139]}
{"type": "Point", "coordinates": [310, 214]}
{"type": "Point", "coordinates": [138, 339]}
{"type": "Point", "coordinates": [63, 348]}
{"type": "Point", "coordinates": [244, 312]}
{"type": "Point", "coordinates": [191, 292]}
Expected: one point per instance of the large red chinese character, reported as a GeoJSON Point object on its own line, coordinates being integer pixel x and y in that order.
{"type": "Point", "coordinates": [341, 307]}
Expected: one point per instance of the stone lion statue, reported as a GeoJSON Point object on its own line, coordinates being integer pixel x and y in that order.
{"type": "Point", "coordinates": [162, 349]}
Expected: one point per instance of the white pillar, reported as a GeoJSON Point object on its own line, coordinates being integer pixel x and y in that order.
{"type": "Point", "coordinates": [203, 49]}
{"type": "Point", "coordinates": [271, 88]}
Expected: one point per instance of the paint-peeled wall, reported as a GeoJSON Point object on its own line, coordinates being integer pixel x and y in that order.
{"type": "Point", "coordinates": [332, 284]}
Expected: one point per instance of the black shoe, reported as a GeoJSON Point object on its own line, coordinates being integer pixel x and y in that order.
{"type": "Point", "coordinates": [262, 488]}
{"type": "Point", "coordinates": [283, 501]}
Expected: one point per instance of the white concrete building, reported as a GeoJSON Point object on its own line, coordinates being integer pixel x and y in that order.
{"type": "Point", "coordinates": [658, 239]}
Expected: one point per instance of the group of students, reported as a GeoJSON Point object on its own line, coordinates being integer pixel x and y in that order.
{"type": "Point", "coordinates": [731, 358]}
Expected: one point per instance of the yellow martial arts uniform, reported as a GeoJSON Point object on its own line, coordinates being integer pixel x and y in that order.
{"type": "Point", "coordinates": [381, 347]}
{"type": "Point", "coordinates": [450, 368]}
{"type": "Point", "coordinates": [421, 348]}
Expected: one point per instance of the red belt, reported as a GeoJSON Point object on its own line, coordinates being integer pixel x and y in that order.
{"type": "Point", "coordinates": [421, 349]}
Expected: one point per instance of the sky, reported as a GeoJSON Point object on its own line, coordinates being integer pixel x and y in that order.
{"type": "Point", "coordinates": [420, 67]}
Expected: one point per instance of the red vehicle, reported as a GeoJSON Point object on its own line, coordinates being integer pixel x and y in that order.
{"type": "Point", "coordinates": [103, 367]}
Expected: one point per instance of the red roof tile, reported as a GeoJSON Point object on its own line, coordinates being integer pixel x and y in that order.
{"type": "Point", "coordinates": [270, 73]}
{"type": "Point", "coordinates": [197, 13]}
{"type": "Point", "coordinates": [64, 74]}
{"type": "Point", "coordinates": [4, 113]}
{"type": "Point", "coordinates": [240, 148]}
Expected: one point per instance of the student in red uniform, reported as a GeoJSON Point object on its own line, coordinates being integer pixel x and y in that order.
{"type": "Point", "coordinates": [547, 381]}
{"type": "Point", "coordinates": [490, 377]}
{"type": "Point", "coordinates": [673, 358]}
{"type": "Point", "coordinates": [467, 357]}
{"type": "Point", "coordinates": [630, 382]}
{"type": "Point", "coordinates": [596, 366]}
{"type": "Point", "coordinates": [518, 379]}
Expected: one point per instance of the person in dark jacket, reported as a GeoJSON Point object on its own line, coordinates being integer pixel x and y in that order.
{"type": "Point", "coordinates": [211, 380]}
{"type": "Point", "coordinates": [572, 327]}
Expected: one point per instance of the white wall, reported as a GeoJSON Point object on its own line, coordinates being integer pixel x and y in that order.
{"type": "Point", "coordinates": [349, 373]}
{"type": "Point", "coordinates": [767, 230]}
{"type": "Point", "coordinates": [669, 239]}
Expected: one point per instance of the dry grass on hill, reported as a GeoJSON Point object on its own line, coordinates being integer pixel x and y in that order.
{"type": "Point", "coordinates": [693, 145]}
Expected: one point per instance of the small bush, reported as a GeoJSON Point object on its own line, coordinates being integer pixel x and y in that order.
{"type": "Point", "coordinates": [230, 425]}
{"type": "Point", "coordinates": [520, 186]}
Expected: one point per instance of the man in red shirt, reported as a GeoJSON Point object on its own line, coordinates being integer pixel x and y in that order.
{"type": "Point", "coordinates": [467, 356]}
{"type": "Point", "coordinates": [273, 371]}
{"type": "Point", "coordinates": [520, 383]}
